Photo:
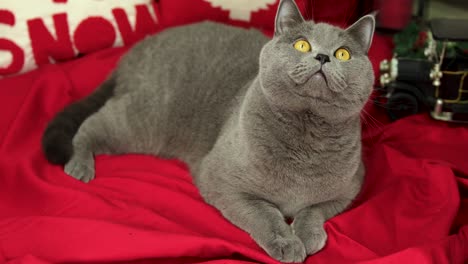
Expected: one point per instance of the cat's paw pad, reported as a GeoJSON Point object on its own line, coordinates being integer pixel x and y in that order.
{"type": "Point", "coordinates": [287, 249]}
{"type": "Point", "coordinates": [80, 169]}
{"type": "Point", "coordinates": [315, 241]}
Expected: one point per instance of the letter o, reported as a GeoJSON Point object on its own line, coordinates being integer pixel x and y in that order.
{"type": "Point", "coordinates": [94, 33]}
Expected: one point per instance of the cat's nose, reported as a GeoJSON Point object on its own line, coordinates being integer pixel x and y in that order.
{"type": "Point", "coordinates": [322, 58]}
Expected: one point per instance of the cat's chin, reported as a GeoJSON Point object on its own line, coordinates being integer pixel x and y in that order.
{"type": "Point", "coordinates": [326, 107]}
{"type": "Point", "coordinates": [315, 88]}
{"type": "Point", "coordinates": [319, 77]}
{"type": "Point", "coordinates": [314, 85]}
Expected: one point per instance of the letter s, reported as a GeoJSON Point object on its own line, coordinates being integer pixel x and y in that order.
{"type": "Point", "coordinates": [17, 62]}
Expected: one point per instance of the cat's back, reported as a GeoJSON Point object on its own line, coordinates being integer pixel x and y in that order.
{"type": "Point", "coordinates": [206, 53]}
{"type": "Point", "coordinates": [183, 83]}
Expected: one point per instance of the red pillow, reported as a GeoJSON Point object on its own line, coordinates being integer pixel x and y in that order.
{"type": "Point", "coordinates": [337, 12]}
{"type": "Point", "coordinates": [255, 13]}
{"type": "Point", "coordinates": [246, 13]}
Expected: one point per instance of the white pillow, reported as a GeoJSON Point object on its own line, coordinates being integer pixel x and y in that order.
{"type": "Point", "coordinates": [37, 32]}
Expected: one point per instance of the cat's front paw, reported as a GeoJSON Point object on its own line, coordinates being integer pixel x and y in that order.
{"type": "Point", "coordinates": [314, 240]}
{"type": "Point", "coordinates": [80, 168]}
{"type": "Point", "coordinates": [287, 249]}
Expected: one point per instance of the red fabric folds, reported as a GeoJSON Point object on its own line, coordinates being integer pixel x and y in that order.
{"type": "Point", "coordinates": [142, 209]}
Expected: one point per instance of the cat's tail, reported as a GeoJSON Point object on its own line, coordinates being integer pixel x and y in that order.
{"type": "Point", "coordinates": [57, 139]}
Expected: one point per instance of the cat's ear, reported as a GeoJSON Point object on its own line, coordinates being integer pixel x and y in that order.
{"type": "Point", "coordinates": [287, 16]}
{"type": "Point", "coordinates": [363, 31]}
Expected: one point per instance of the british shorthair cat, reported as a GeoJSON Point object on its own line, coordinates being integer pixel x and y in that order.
{"type": "Point", "coordinates": [270, 128]}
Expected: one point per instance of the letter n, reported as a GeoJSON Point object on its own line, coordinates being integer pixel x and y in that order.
{"type": "Point", "coordinates": [45, 45]}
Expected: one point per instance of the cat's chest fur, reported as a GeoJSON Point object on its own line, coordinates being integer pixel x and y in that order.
{"type": "Point", "coordinates": [319, 172]}
{"type": "Point", "coordinates": [291, 173]}
{"type": "Point", "coordinates": [293, 160]}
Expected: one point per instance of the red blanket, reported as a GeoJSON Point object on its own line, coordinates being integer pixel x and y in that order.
{"type": "Point", "coordinates": [141, 209]}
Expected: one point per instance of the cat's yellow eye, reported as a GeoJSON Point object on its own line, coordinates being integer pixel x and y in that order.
{"type": "Point", "coordinates": [302, 46]}
{"type": "Point", "coordinates": [342, 54]}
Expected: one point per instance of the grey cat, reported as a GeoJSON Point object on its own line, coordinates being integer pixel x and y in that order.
{"type": "Point", "coordinates": [269, 128]}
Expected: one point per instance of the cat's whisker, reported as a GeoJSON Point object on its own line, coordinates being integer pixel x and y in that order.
{"type": "Point", "coordinates": [372, 122]}
{"type": "Point", "coordinates": [366, 123]}
{"type": "Point", "coordinates": [375, 120]}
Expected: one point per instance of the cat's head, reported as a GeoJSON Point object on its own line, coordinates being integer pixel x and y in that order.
{"type": "Point", "coordinates": [317, 67]}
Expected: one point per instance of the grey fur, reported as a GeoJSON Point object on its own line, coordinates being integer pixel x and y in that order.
{"type": "Point", "coordinates": [266, 136]}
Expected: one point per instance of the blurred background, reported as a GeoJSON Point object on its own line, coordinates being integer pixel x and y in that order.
{"type": "Point", "coordinates": [395, 14]}
{"type": "Point", "coordinates": [445, 8]}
